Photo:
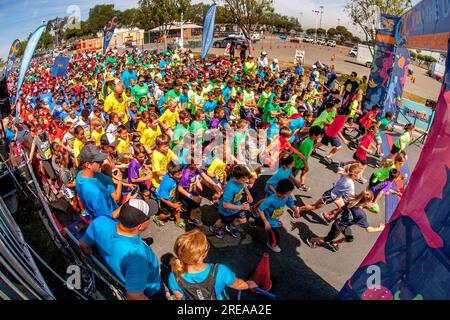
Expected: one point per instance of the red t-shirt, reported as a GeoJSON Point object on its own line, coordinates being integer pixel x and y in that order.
{"type": "Point", "coordinates": [365, 142]}
{"type": "Point", "coordinates": [336, 126]}
{"type": "Point", "coordinates": [365, 121]}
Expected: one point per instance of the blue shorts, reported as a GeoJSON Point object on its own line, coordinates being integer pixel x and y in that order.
{"type": "Point", "coordinates": [230, 219]}
{"type": "Point", "coordinates": [335, 142]}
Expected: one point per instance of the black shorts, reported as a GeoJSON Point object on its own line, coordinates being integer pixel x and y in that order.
{"type": "Point", "coordinates": [335, 142]}
{"type": "Point", "coordinates": [350, 120]}
{"type": "Point", "coordinates": [188, 204]}
{"type": "Point", "coordinates": [165, 209]}
{"type": "Point", "coordinates": [395, 149]}
{"type": "Point", "coordinates": [230, 219]}
{"type": "Point", "coordinates": [363, 162]}
{"type": "Point", "coordinates": [336, 231]}
{"type": "Point", "coordinates": [48, 168]}
{"type": "Point", "coordinates": [327, 198]}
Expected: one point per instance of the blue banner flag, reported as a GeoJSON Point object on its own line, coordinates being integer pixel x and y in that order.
{"type": "Point", "coordinates": [12, 56]}
{"type": "Point", "coordinates": [108, 31]}
{"type": "Point", "coordinates": [60, 67]}
{"type": "Point", "coordinates": [208, 30]}
{"type": "Point", "coordinates": [27, 55]}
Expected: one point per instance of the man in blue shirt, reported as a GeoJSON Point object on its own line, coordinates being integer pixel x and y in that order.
{"type": "Point", "coordinates": [129, 77]}
{"type": "Point", "coordinates": [91, 186]}
{"type": "Point", "coordinates": [126, 254]}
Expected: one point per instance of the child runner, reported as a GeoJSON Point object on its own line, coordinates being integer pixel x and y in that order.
{"type": "Point", "coordinates": [384, 188]}
{"type": "Point", "coordinates": [405, 138]}
{"type": "Point", "coordinates": [386, 166]}
{"type": "Point", "coordinates": [271, 210]}
{"type": "Point", "coordinates": [161, 157]}
{"type": "Point", "coordinates": [352, 214]}
{"type": "Point", "coordinates": [382, 124]}
{"type": "Point", "coordinates": [231, 210]}
{"type": "Point", "coordinates": [166, 195]}
{"type": "Point", "coordinates": [153, 130]}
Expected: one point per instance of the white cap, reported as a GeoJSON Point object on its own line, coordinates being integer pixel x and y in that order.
{"type": "Point", "coordinates": [314, 66]}
{"type": "Point", "coordinates": [275, 60]}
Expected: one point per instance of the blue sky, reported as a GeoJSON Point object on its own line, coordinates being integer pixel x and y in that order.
{"type": "Point", "coordinates": [20, 17]}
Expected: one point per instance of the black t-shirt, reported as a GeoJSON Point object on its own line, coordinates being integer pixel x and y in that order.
{"type": "Point", "coordinates": [350, 87]}
{"type": "Point", "coordinates": [353, 216]}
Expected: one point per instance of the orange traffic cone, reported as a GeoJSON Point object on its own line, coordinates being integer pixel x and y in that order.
{"type": "Point", "coordinates": [262, 273]}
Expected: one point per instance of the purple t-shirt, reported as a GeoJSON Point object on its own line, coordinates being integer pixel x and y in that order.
{"type": "Point", "coordinates": [214, 123]}
{"type": "Point", "coordinates": [384, 187]}
{"type": "Point", "coordinates": [189, 179]}
{"type": "Point", "coordinates": [135, 171]}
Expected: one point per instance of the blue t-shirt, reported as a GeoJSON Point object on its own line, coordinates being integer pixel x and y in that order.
{"type": "Point", "coordinates": [232, 194]}
{"type": "Point", "coordinates": [131, 260]}
{"type": "Point", "coordinates": [297, 124]}
{"type": "Point", "coordinates": [273, 209]}
{"type": "Point", "coordinates": [273, 130]}
{"type": "Point", "coordinates": [281, 174]}
{"type": "Point", "coordinates": [299, 71]}
{"type": "Point", "coordinates": [127, 76]}
{"type": "Point", "coordinates": [95, 194]}
{"type": "Point", "coordinates": [167, 188]}
{"type": "Point", "coordinates": [209, 106]}
{"type": "Point", "coordinates": [224, 278]}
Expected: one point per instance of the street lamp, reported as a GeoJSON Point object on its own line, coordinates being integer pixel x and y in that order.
{"type": "Point", "coordinates": [321, 12]}
{"type": "Point", "coordinates": [317, 14]}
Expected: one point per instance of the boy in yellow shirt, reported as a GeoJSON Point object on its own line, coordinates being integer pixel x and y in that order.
{"type": "Point", "coordinates": [161, 157]}
{"type": "Point", "coordinates": [149, 135]}
{"type": "Point", "coordinates": [97, 131]}
{"type": "Point", "coordinates": [169, 118]}
{"type": "Point", "coordinates": [123, 142]}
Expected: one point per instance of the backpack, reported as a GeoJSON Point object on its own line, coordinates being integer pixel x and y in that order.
{"type": "Point", "coordinates": [204, 290]}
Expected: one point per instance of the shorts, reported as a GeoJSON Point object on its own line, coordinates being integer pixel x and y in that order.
{"type": "Point", "coordinates": [350, 120]}
{"type": "Point", "coordinates": [48, 168]}
{"type": "Point", "coordinates": [327, 197]}
{"type": "Point", "coordinates": [165, 209]}
{"type": "Point", "coordinates": [230, 219]}
{"type": "Point", "coordinates": [335, 142]}
{"type": "Point", "coordinates": [335, 231]}
{"type": "Point", "coordinates": [395, 149]}
{"type": "Point", "coordinates": [363, 162]}
{"type": "Point", "coordinates": [188, 204]}
{"type": "Point", "coordinates": [378, 140]}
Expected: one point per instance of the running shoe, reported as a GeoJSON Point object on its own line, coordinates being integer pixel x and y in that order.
{"type": "Point", "coordinates": [275, 249]}
{"type": "Point", "coordinates": [333, 247]}
{"type": "Point", "coordinates": [195, 222]}
{"type": "Point", "coordinates": [180, 224]}
{"type": "Point", "coordinates": [328, 159]}
{"type": "Point", "coordinates": [304, 188]}
{"type": "Point", "coordinates": [310, 243]}
{"type": "Point", "coordinates": [235, 233]}
{"type": "Point", "coordinates": [158, 222]}
{"type": "Point", "coordinates": [218, 232]}
{"type": "Point", "coordinates": [322, 215]}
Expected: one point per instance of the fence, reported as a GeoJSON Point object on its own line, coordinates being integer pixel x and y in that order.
{"type": "Point", "coordinates": [418, 114]}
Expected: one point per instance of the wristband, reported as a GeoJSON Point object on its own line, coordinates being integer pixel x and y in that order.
{"type": "Point", "coordinates": [190, 196]}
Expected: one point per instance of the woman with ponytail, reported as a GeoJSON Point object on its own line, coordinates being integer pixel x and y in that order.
{"type": "Point", "coordinates": [352, 214]}
{"type": "Point", "coordinates": [193, 279]}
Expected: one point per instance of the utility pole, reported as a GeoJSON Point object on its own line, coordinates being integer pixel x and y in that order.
{"type": "Point", "coordinates": [339, 21]}
{"type": "Point", "coordinates": [315, 35]}
{"type": "Point", "coordinates": [182, 32]}
{"type": "Point", "coordinates": [321, 12]}
{"type": "Point", "coordinates": [301, 16]}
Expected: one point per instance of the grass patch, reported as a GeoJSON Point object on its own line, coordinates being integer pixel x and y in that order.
{"type": "Point", "coordinates": [413, 97]}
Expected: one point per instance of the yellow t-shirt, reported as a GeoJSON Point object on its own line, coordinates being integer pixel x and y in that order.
{"type": "Point", "coordinates": [77, 146]}
{"type": "Point", "coordinates": [123, 146]}
{"type": "Point", "coordinates": [159, 163]}
{"type": "Point", "coordinates": [169, 118]}
{"type": "Point", "coordinates": [149, 137]}
{"type": "Point", "coordinates": [97, 135]}
{"type": "Point", "coordinates": [119, 107]}
{"type": "Point", "coordinates": [141, 126]}
{"type": "Point", "coordinates": [218, 168]}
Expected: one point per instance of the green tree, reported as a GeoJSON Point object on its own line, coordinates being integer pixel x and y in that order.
{"type": "Point", "coordinates": [311, 31]}
{"type": "Point", "coordinates": [332, 32]}
{"type": "Point", "coordinates": [364, 13]}
{"type": "Point", "coordinates": [248, 15]}
{"type": "Point", "coordinates": [196, 13]}
{"type": "Point", "coordinates": [99, 16]}
{"type": "Point", "coordinates": [321, 31]}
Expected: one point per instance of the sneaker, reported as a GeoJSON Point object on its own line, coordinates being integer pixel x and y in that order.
{"type": "Point", "coordinates": [310, 243]}
{"type": "Point", "coordinates": [235, 233]}
{"type": "Point", "coordinates": [362, 180]}
{"type": "Point", "coordinates": [379, 155]}
{"type": "Point", "coordinates": [158, 222]}
{"type": "Point", "coordinates": [322, 215]}
{"type": "Point", "coordinates": [181, 224]}
{"type": "Point", "coordinates": [304, 188]}
{"type": "Point", "coordinates": [218, 232]}
{"type": "Point", "coordinates": [195, 222]}
{"type": "Point", "coordinates": [341, 164]}
{"type": "Point", "coordinates": [327, 159]}
{"type": "Point", "coordinates": [276, 249]}
{"type": "Point", "coordinates": [333, 247]}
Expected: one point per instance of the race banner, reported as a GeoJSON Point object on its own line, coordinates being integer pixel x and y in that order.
{"type": "Point", "coordinates": [60, 67]}
{"type": "Point", "coordinates": [411, 258]}
{"type": "Point", "coordinates": [208, 30]}
{"type": "Point", "coordinates": [108, 31]}
{"type": "Point", "coordinates": [26, 59]}
{"type": "Point", "coordinates": [12, 56]}
{"type": "Point", "coordinates": [299, 56]}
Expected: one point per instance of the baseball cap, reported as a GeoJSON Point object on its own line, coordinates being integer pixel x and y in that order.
{"type": "Point", "coordinates": [90, 153]}
{"type": "Point", "coordinates": [136, 211]}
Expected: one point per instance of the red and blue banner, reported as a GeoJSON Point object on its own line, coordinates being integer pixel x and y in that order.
{"type": "Point", "coordinates": [60, 67]}
{"type": "Point", "coordinates": [411, 258]}
{"type": "Point", "coordinates": [12, 56]}
{"type": "Point", "coordinates": [208, 30]}
{"type": "Point", "coordinates": [108, 31]}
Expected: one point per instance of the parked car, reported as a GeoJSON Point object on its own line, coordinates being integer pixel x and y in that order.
{"type": "Point", "coordinates": [353, 53]}
{"type": "Point", "coordinates": [283, 37]}
{"type": "Point", "coordinates": [321, 41]}
{"type": "Point", "coordinates": [308, 39]}
{"type": "Point", "coordinates": [331, 43]}
{"type": "Point", "coordinates": [238, 42]}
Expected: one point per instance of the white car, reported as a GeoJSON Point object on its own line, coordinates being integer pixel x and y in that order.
{"type": "Point", "coordinates": [308, 39]}
{"type": "Point", "coordinates": [322, 42]}
{"type": "Point", "coordinates": [331, 43]}
{"type": "Point", "coordinates": [353, 52]}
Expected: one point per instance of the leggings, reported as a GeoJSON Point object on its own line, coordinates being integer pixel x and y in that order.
{"type": "Point", "coordinates": [273, 234]}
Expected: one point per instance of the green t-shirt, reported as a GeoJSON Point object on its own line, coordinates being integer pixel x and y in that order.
{"type": "Point", "coordinates": [354, 106]}
{"type": "Point", "coordinates": [196, 126]}
{"type": "Point", "coordinates": [263, 99]}
{"type": "Point", "coordinates": [178, 134]}
{"type": "Point", "coordinates": [139, 92]}
{"type": "Point", "coordinates": [238, 138]}
{"type": "Point", "coordinates": [383, 173]}
{"type": "Point", "coordinates": [267, 118]}
{"type": "Point", "coordinates": [305, 149]}
{"type": "Point", "coordinates": [290, 110]}
{"type": "Point", "coordinates": [172, 94]}
{"type": "Point", "coordinates": [383, 125]}
{"type": "Point", "coordinates": [405, 138]}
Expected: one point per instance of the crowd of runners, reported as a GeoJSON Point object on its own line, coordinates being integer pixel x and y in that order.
{"type": "Point", "coordinates": [135, 138]}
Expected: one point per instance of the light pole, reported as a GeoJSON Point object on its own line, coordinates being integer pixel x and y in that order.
{"type": "Point", "coordinates": [315, 35]}
{"type": "Point", "coordinates": [301, 16]}
{"type": "Point", "coordinates": [182, 32]}
{"type": "Point", "coordinates": [321, 12]}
